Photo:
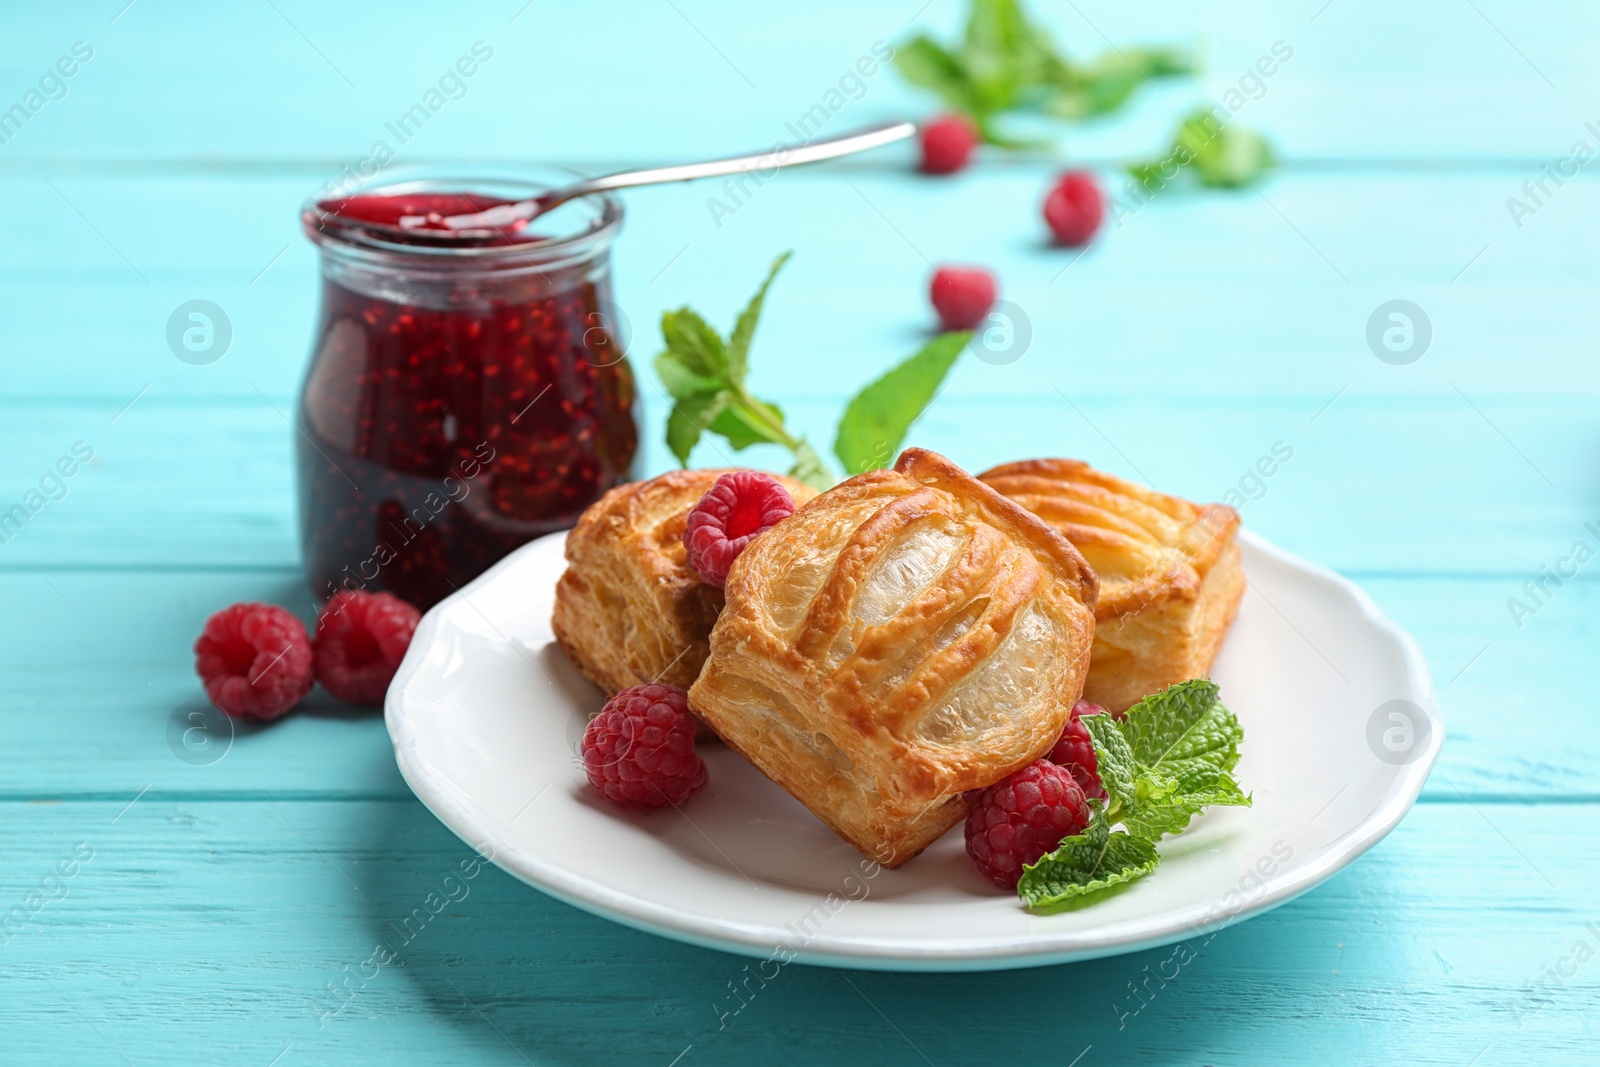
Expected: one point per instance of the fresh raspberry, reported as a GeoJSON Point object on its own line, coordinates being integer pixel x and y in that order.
{"type": "Point", "coordinates": [254, 660]}
{"type": "Point", "coordinates": [361, 639]}
{"type": "Point", "coordinates": [1074, 751]}
{"type": "Point", "coordinates": [947, 144]}
{"type": "Point", "coordinates": [1074, 208]}
{"type": "Point", "coordinates": [738, 507]}
{"type": "Point", "coordinates": [1020, 819]}
{"type": "Point", "coordinates": [639, 751]}
{"type": "Point", "coordinates": [962, 296]}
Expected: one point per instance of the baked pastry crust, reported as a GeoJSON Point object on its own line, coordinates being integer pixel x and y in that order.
{"type": "Point", "coordinates": [903, 640]}
{"type": "Point", "coordinates": [1170, 577]}
{"type": "Point", "coordinates": [629, 609]}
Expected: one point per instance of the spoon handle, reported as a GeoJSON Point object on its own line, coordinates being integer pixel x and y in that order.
{"type": "Point", "coordinates": [775, 157]}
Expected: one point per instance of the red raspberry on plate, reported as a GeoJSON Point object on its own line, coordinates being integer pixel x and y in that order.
{"type": "Point", "coordinates": [962, 296]}
{"type": "Point", "coordinates": [254, 660]}
{"type": "Point", "coordinates": [738, 507]}
{"type": "Point", "coordinates": [639, 751]}
{"type": "Point", "coordinates": [947, 144]}
{"type": "Point", "coordinates": [1074, 208]}
{"type": "Point", "coordinates": [1074, 751]}
{"type": "Point", "coordinates": [361, 639]}
{"type": "Point", "coordinates": [1020, 819]}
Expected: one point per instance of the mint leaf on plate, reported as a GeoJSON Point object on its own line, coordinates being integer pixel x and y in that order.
{"type": "Point", "coordinates": [1166, 805]}
{"type": "Point", "coordinates": [1148, 801]}
{"type": "Point", "coordinates": [1119, 770]}
{"type": "Point", "coordinates": [876, 421]}
{"type": "Point", "coordinates": [1095, 860]}
{"type": "Point", "coordinates": [1183, 728]}
{"type": "Point", "coordinates": [1167, 759]}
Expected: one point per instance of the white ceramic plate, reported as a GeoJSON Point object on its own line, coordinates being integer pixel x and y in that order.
{"type": "Point", "coordinates": [485, 714]}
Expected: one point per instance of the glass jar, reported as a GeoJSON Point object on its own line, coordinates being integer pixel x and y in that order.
{"type": "Point", "coordinates": [465, 394]}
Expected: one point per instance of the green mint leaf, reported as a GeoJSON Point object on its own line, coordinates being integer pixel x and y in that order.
{"type": "Point", "coordinates": [877, 419]}
{"type": "Point", "coordinates": [1161, 62]}
{"type": "Point", "coordinates": [1147, 174]}
{"type": "Point", "coordinates": [745, 328]}
{"type": "Point", "coordinates": [1182, 730]}
{"type": "Point", "coordinates": [809, 468]}
{"type": "Point", "coordinates": [1148, 802]}
{"type": "Point", "coordinates": [1119, 771]}
{"type": "Point", "coordinates": [1002, 54]}
{"type": "Point", "coordinates": [1084, 92]}
{"type": "Point", "coordinates": [1218, 155]}
{"type": "Point", "coordinates": [1232, 158]}
{"type": "Point", "coordinates": [682, 383]}
{"type": "Point", "coordinates": [926, 64]}
{"type": "Point", "coordinates": [694, 344]}
{"type": "Point", "coordinates": [1006, 64]}
{"type": "Point", "coordinates": [1168, 759]}
{"type": "Point", "coordinates": [744, 425]}
{"type": "Point", "coordinates": [1166, 805]}
{"type": "Point", "coordinates": [688, 420]}
{"type": "Point", "coordinates": [1093, 861]}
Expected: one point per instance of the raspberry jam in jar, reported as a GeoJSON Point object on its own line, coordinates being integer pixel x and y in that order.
{"type": "Point", "coordinates": [466, 394]}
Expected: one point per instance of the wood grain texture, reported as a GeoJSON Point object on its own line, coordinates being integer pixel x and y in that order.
{"type": "Point", "coordinates": [104, 677]}
{"type": "Point", "coordinates": [227, 468]}
{"type": "Point", "coordinates": [221, 904]}
{"type": "Point", "coordinates": [1435, 81]}
{"type": "Point", "coordinates": [217, 928]}
{"type": "Point", "coordinates": [1231, 296]}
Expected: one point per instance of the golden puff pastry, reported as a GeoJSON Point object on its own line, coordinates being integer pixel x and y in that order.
{"type": "Point", "coordinates": [906, 638]}
{"type": "Point", "coordinates": [629, 609]}
{"type": "Point", "coordinates": [1170, 577]}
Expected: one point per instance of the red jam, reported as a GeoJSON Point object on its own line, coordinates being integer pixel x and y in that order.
{"type": "Point", "coordinates": [454, 408]}
{"type": "Point", "coordinates": [431, 208]}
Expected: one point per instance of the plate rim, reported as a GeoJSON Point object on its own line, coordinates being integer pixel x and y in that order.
{"type": "Point", "coordinates": [855, 952]}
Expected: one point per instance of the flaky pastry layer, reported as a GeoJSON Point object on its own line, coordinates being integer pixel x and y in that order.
{"type": "Point", "coordinates": [1170, 577]}
{"type": "Point", "coordinates": [629, 610]}
{"type": "Point", "coordinates": [903, 640]}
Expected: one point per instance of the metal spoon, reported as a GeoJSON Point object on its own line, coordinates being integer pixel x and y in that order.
{"type": "Point", "coordinates": [517, 215]}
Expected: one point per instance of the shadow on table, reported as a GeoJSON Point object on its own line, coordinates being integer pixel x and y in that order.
{"type": "Point", "coordinates": [547, 983]}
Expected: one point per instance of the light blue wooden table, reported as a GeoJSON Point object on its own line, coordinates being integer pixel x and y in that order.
{"type": "Point", "coordinates": [210, 909]}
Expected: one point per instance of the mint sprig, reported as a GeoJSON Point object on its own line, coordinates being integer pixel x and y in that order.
{"type": "Point", "coordinates": [1006, 65]}
{"type": "Point", "coordinates": [1217, 155]}
{"type": "Point", "coordinates": [706, 377]}
{"type": "Point", "coordinates": [1182, 728]}
{"type": "Point", "coordinates": [1164, 762]}
{"type": "Point", "coordinates": [875, 422]}
{"type": "Point", "coordinates": [1095, 860]}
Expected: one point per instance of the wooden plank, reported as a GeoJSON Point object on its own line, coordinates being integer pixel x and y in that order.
{"type": "Point", "coordinates": [1436, 81]}
{"type": "Point", "coordinates": [173, 484]}
{"type": "Point", "coordinates": [218, 928]}
{"type": "Point", "coordinates": [100, 673]}
{"type": "Point", "coordinates": [1208, 294]}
